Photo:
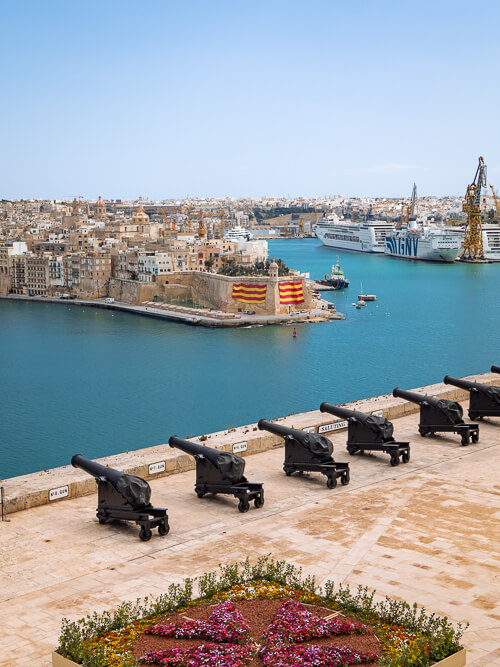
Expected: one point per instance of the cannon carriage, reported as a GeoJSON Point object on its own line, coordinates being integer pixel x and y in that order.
{"type": "Point", "coordinates": [440, 415]}
{"type": "Point", "coordinates": [484, 400]}
{"type": "Point", "coordinates": [308, 452]}
{"type": "Point", "coordinates": [495, 369]}
{"type": "Point", "coordinates": [221, 472]}
{"type": "Point", "coordinates": [124, 497]}
{"type": "Point", "coordinates": [369, 433]}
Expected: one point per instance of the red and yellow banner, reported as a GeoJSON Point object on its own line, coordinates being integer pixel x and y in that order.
{"type": "Point", "coordinates": [249, 293]}
{"type": "Point", "coordinates": [291, 293]}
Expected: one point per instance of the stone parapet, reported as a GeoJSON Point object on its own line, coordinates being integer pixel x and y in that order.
{"type": "Point", "coordinates": [57, 484]}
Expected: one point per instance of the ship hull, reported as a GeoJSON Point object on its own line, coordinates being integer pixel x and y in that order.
{"type": "Point", "coordinates": [424, 249]}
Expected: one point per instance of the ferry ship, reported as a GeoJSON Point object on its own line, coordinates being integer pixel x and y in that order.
{"type": "Point", "coordinates": [426, 242]}
{"type": "Point", "coordinates": [367, 236]}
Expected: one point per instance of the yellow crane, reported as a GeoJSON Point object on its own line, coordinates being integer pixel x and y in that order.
{"type": "Point", "coordinates": [201, 229]}
{"type": "Point", "coordinates": [497, 203]}
{"type": "Point", "coordinates": [409, 209]}
{"type": "Point", "coordinates": [473, 242]}
{"type": "Point", "coordinates": [301, 226]}
{"type": "Point", "coordinates": [169, 223]}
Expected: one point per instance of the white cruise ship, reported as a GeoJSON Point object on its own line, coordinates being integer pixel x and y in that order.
{"type": "Point", "coordinates": [427, 242]}
{"type": "Point", "coordinates": [238, 234]}
{"type": "Point", "coordinates": [491, 242]}
{"type": "Point", "coordinates": [367, 236]}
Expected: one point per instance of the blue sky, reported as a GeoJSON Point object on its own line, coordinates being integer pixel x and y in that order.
{"type": "Point", "coordinates": [166, 98]}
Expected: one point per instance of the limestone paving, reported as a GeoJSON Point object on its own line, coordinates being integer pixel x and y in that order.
{"type": "Point", "coordinates": [426, 531]}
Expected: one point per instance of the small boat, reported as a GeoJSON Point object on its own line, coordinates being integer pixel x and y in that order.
{"type": "Point", "coordinates": [336, 279]}
{"type": "Point", "coordinates": [360, 303]}
{"type": "Point", "coordinates": [366, 297]}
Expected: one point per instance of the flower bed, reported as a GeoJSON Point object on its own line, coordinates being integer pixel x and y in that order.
{"type": "Point", "coordinates": [266, 614]}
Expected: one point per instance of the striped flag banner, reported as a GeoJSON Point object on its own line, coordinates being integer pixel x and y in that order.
{"type": "Point", "coordinates": [291, 293]}
{"type": "Point", "coordinates": [249, 293]}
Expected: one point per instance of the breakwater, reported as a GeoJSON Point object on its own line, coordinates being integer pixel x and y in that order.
{"type": "Point", "coordinates": [57, 484]}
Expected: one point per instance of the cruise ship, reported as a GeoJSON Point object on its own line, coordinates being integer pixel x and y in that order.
{"type": "Point", "coordinates": [367, 236]}
{"type": "Point", "coordinates": [426, 242]}
{"type": "Point", "coordinates": [238, 234]}
{"type": "Point", "coordinates": [491, 242]}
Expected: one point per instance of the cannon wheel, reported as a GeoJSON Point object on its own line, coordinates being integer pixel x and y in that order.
{"type": "Point", "coordinates": [244, 505]}
{"type": "Point", "coordinates": [331, 481]}
{"type": "Point", "coordinates": [345, 479]}
{"type": "Point", "coordinates": [465, 439]}
{"type": "Point", "coordinates": [474, 436]}
{"type": "Point", "coordinates": [405, 456]}
{"type": "Point", "coordinates": [351, 451]}
{"type": "Point", "coordinates": [163, 528]}
{"type": "Point", "coordinates": [288, 471]}
{"type": "Point", "coordinates": [101, 519]}
{"type": "Point", "coordinates": [474, 416]}
{"type": "Point", "coordinates": [259, 500]}
{"type": "Point", "coordinates": [200, 494]}
{"type": "Point", "coordinates": [145, 533]}
{"type": "Point", "coordinates": [394, 459]}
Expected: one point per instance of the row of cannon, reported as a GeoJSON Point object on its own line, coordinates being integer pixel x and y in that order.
{"type": "Point", "coordinates": [127, 497]}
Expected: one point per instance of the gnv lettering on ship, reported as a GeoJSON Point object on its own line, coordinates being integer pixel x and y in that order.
{"type": "Point", "coordinates": [406, 247]}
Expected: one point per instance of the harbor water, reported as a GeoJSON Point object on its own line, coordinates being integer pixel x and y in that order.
{"type": "Point", "coordinates": [76, 379]}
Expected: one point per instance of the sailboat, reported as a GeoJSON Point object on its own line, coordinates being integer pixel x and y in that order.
{"type": "Point", "coordinates": [366, 297]}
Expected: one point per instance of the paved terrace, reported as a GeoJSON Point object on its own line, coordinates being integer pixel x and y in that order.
{"type": "Point", "coordinates": [427, 531]}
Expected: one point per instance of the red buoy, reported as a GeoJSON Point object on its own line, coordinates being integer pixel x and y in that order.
{"type": "Point", "coordinates": [294, 333]}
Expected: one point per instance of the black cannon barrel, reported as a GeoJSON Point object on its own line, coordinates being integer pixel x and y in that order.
{"type": "Point", "coordinates": [279, 429]}
{"type": "Point", "coordinates": [413, 397]}
{"type": "Point", "coordinates": [231, 466]}
{"type": "Point", "coordinates": [133, 489]}
{"type": "Point", "coordinates": [96, 469]}
{"type": "Point", "coordinates": [462, 384]}
{"type": "Point", "coordinates": [495, 369]}
{"type": "Point", "coordinates": [345, 413]}
{"type": "Point", "coordinates": [319, 446]}
{"type": "Point", "coordinates": [380, 426]}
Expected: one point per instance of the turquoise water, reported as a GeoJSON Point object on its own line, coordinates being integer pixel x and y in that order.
{"type": "Point", "coordinates": [85, 380]}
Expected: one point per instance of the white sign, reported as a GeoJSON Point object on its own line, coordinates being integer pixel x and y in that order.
{"type": "Point", "coordinates": [309, 429]}
{"type": "Point", "coordinates": [60, 492]}
{"type": "Point", "coordinates": [334, 426]}
{"type": "Point", "coordinates": [155, 468]}
{"type": "Point", "coordinates": [378, 413]}
{"type": "Point", "coordinates": [239, 447]}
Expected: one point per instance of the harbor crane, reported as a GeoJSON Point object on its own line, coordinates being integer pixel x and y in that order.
{"type": "Point", "coordinates": [168, 222]}
{"type": "Point", "coordinates": [409, 210]}
{"type": "Point", "coordinates": [497, 203]}
{"type": "Point", "coordinates": [473, 242]}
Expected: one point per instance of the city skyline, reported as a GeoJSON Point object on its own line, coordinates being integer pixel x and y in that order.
{"type": "Point", "coordinates": [280, 99]}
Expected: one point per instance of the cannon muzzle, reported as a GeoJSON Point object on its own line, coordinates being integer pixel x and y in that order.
{"type": "Point", "coordinates": [413, 397]}
{"type": "Point", "coordinates": [495, 369]}
{"type": "Point", "coordinates": [135, 490]}
{"type": "Point", "coordinates": [229, 465]}
{"type": "Point", "coordinates": [317, 444]}
{"type": "Point", "coordinates": [337, 411]}
{"type": "Point", "coordinates": [462, 384]}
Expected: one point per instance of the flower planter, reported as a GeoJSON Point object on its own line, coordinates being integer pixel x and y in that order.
{"type": "Point", "coordinates": [455, 660]}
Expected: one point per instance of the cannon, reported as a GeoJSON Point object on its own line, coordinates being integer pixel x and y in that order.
{"type": "Point", "coordinates": [125, 497]}
{"type": "Point", "coordinates": [484, 401]}
{"type": "Point", "coordinates": [495, 369]}
{"type": "Point", "coordinates": [221, 472]}
{"type": "Point", "coordinates": [369, 433]}
{"type": "Point", "coordinates": [308, 452]}
{"type": "Point", "coordinates": [440, 415]}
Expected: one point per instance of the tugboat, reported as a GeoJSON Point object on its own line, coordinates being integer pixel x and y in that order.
{"type": "Point", "coordinates": [336, 280]}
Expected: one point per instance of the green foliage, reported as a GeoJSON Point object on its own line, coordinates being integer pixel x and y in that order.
{"type": "Point", "coordinates": [231, 268]}
{"type": "Point", "coordinates": [280, 210]}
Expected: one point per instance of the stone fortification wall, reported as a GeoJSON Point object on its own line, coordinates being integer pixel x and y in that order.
{"type": "Point", "coordinates": [211, 290]}
{"type": "Point", "coordinates": [131, 291]}
{"type": "Point", "coordinates": [35, 489]}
